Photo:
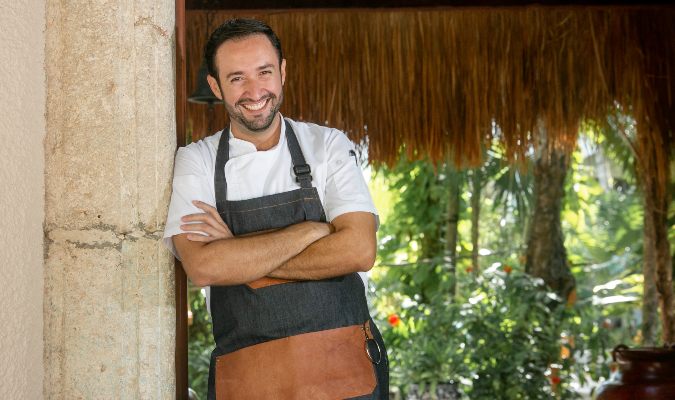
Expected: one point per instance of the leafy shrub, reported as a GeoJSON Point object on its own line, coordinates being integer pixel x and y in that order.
{"type": "Point", "coordinates": [200, 343]}
{"type": "Point", "coordinates": [503, 340]}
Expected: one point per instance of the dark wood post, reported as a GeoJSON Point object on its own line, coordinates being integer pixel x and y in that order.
{"type": "Point", "coordinates": [181, 278]}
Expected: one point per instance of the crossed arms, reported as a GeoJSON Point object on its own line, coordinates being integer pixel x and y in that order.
{"type": "Point", "coordinates": [305, 251]}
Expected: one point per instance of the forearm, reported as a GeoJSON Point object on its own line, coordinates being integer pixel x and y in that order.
{"type": "Point", "coordinates": [244, 259]}
{"type": "Point", "coordinates": [349, 249]}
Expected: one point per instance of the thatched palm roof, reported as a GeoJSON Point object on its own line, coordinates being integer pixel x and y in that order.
{"type": "Point", "coordinates": [435, 81]}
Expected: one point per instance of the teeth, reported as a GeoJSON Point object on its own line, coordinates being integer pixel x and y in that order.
{"type": "Point", "coordinates": [255, 106]}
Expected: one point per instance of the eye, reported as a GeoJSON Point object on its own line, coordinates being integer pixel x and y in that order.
{"type": "Point", "coordinates": [236, 79]}
{"type": "Point", "coordinates": [265, 72]}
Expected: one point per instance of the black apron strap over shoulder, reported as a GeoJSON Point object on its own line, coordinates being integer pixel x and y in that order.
{"type": "Point", "coordinates": [219, 181]}
{"type": "Point", "coordinates": [302, 170]}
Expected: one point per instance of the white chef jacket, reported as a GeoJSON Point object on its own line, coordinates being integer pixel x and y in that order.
{"type": "Point", "coordinates": [251, 173]}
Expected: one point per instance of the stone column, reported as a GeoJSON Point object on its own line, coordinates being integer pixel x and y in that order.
{"type": "Point", "coordinates": [109, 289]}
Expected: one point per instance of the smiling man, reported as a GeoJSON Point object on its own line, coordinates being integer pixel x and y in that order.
{"type": "Point", "coordinates": [275, 218]}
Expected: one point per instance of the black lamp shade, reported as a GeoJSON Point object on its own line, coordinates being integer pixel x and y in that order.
{"type": "Point", "coordinates": [203, 94]}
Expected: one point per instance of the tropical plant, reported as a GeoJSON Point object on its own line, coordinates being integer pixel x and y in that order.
{"type": "Point", "coordinates": [416, 235]}
{"type": "Point", "coordinates": [200, 343]}
{"type": "Point", "coordinates": [503, 339]}
{"type": "Point", "coordinates": [601, 220]}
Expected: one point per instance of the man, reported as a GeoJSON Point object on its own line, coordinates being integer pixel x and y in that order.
{"type": "Point", "coordinates": [275, 218]}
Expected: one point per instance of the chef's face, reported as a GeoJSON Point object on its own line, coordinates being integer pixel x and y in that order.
{"type": "Point", "coordinates": [250, 82]}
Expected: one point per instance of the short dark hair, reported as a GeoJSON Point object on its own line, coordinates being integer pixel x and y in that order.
{"type": "Point", "coordinates": [236, 29]}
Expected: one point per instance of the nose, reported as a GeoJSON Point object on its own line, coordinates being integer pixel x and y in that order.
{"type": "Point", "coordinates": [254, 89]}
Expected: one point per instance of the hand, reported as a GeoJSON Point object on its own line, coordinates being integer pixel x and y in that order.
{"type": "Point", "coordinates": [209, 226]}
{"type": "Point", "coordinates": [318, 229]}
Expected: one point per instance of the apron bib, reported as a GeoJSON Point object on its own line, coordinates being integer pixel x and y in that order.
{"type": "Point", "coordinates": [281, 339]}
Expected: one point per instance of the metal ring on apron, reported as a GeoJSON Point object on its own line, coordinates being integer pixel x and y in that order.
{"type": "Point", "coordinates": [379, 352]}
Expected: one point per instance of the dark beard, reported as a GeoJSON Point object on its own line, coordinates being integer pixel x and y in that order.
{"type": "Point", "coordinates": [257, 125]}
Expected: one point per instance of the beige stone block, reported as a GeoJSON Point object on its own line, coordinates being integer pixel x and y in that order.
{"type": "Point", "coordinates": [111, 113]}
{"type": "Point", "coordinates": [152, 291]}
{"type": "Point", "coordinates": [88, 342]}
{"type": "Point", "coordinates": [111, 323]}
{"type": "Point", "coordinates": [155, 145]}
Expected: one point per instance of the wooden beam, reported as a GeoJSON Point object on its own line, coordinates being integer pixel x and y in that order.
{"type": "Point", "coordinates": [333, 4]}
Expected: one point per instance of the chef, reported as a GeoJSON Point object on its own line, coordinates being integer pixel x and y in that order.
{"type": "Point", "coordinates": [275, 218]}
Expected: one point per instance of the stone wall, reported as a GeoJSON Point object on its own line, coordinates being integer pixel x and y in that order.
{"type": "Point", "coordinates": [22, 129]}
{"type": "Point", "coordinates": [109, 289]}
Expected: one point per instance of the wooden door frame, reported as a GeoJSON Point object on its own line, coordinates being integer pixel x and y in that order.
{"type": "Point", "coordinates": [181, 353]}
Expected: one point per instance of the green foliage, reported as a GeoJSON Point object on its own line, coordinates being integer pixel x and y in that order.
{"type": "Point", "coordinates": [510, 187]}
{"type": "Point", "coordinates": [602, 221]}
{"type": "Point", "coordinates": [500, 333]}
{"type": "Point", "coordinates": [200, 343]}
{"type": "Point", "coordinates": [505, 339]}
{"type": "Point", "coordinates": [416, 233]}
{"type": "Point", "coordinates": [511, 329]}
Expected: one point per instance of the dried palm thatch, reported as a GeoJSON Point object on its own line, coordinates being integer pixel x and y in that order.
{"type": "Point", "coordinates": [437, 82]}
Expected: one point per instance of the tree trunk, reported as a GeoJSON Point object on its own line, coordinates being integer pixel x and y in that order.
{"type": "Point", "coordinates": [546, 254]}
{"type": "Point", "coordinates": [664, 271]}
{"type": "Point", "coordinates": [650, 301]}
{"type": "Point", "coordinates": [476, 188]}
{"type": "Point", "coordinates": [452, 223]}
{"type": "Point", "coordinates": [653, 153]}
{"type": "Point", "coordinates": [657, 247]}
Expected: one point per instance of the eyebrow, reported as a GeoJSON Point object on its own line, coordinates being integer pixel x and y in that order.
{"type": "Point", "coordinates": [268, 65]}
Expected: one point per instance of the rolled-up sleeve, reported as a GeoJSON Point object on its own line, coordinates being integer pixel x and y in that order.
{"type": "Point", "coordinates": [346, 188]}
{"type": "Point", "coordinates": [190, 182]}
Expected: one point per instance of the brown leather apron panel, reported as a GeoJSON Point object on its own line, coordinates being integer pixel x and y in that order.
{"type": "Point", "coordinates": [325, 365]}
{"type": "Point", "coordinates": [265, 281]}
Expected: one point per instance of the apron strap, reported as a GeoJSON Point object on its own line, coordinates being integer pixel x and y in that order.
{"type": "Point", "coordinates": [219, 181]}
{"type": "Point", "coordinates": [302, 170]}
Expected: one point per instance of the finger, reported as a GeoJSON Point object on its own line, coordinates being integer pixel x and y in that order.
{"type": "Point", "coordinates": [217, 232]}
{"type": "Point", "coordinates": [209, 209]}
{"type": "Point", "coordinates": [222, 229]}
{"type": "Point", "coordinates": [203, 218]}
{"type": "Point", "coordinates": [194, 217]}
{"type": "Point", "coordinates": [217, 220]}
{"type": "Point", "coordinates": [227, 230]}
{"type": "Point", "coordinates": [203, 228]}
{"type": "Point", "coordinates": [194, 237]}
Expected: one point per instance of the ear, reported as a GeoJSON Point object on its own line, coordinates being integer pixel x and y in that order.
{"type": "Point", "coordinates": [215, 88]}
{"type": "Point", "coordinates": [283, 71]}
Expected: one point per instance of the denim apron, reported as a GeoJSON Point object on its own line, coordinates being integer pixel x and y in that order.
{"type": "Point", "coordinates": [278, 339]}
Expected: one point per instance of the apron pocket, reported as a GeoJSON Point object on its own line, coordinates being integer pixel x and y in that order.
{"type": "Point", "coordinates": [325, 365]}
